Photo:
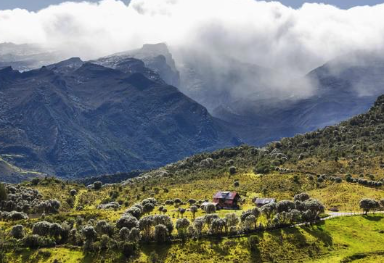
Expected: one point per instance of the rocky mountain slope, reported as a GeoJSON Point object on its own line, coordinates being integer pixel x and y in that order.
{"type": "Point", "coordinates": [156, 57]}
{"type": "Point", "coordinates": [76, 119]}
{"type": "Point", "coordinates": [353, 147]}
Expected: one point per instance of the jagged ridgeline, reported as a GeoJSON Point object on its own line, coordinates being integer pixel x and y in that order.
{"type": "Point", "coordinates": [353, 146]}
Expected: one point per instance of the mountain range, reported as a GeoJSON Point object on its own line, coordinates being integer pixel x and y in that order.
{"type": "Point", "coordinates": [127, 111]}
{"type": "Point", "coordinates": [76, 119]}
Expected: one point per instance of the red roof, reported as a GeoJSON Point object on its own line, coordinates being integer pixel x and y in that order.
{"type": "Point", "coordinates": [225, 195]}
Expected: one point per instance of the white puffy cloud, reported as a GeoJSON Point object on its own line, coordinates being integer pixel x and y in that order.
{"type": "Point", "coordinates": [291, 41]}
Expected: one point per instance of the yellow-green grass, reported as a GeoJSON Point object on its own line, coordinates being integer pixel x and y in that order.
{"type": "Point", "coordinates": [346, 196]}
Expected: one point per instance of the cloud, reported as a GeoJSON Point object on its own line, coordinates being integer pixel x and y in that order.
{"type": "Point", "coordinates": [289, 41]}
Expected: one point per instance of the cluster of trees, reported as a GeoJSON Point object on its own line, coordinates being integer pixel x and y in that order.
{"type": "Point", "coordinates": [364, 182]}
{"type": "Point", "coordinates": [368, 204]}
{"type": "Point", "coordinates": [17, 202]}
{"type": "Point", "coordinates": [137, 225]}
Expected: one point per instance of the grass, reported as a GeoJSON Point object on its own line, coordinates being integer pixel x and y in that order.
{"type": "Point", "coordinates": [352, 238]}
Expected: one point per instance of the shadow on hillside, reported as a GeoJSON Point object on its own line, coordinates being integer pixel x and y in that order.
{"type": "Point", "coordinates": [160, 250]}
{"type": "Point", "coordinates": [373, 217]}
{"type": "Point", "coordinates": [319, 233]}
{"type": "Point", "coordinates": [293, 233]}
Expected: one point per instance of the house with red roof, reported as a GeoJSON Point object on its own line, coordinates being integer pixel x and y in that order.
{"type": "Point", "coordinates": [226, 200]}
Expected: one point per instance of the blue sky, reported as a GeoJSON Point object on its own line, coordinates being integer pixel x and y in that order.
{"type": "Point", "coordinates": [34, 5]}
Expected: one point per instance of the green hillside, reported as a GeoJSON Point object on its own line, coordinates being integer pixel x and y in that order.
{"type": "Point", "coordinates": [155, 217]}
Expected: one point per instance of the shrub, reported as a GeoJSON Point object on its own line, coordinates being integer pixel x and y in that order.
{"type": "Point", "coordinates": [263, 167]}
{"type": "Point", "coordinates": [161, 234]}
{"type": "Point", "coordinates": [301, 197]}
{"type": "Point", "coordinates": [145, 224]}
{"type": "Point", "coordinates": [128, 222]}
{"type": "Point", "coordinates": [97, 185]}
{"type": "Point", "coordinates": [17, 231]}
{"type": "Point", "coordinates": [124, 234]}
{"type": "Point", "coordinates": [89, 233]}
{"type": "Point", "coordinates": [148, 208]}
{"type": "Point", "coordinates": [129, 249]}
{"type": "Point", "coordinates": [367, 204]}
{"type": "Point", "coordinates": [217, 226]}
{"type": "Point", "coordinates": [232, 170]}
{"type": "Point", "coordinates": [41, 228]}
{"type": "Point", "coordinates": [104, 228]}
{"type": "Point", "coordinates": [210, 208]}
{"type": "Point", "coordinates": [15, 216]}
{"type": "Point", "coordinates": [35, 181]}
{"type": "Point", "coordinates": [181, 225]}
{"type": "Point", "coordinates": [134, 211]}
{"type": "Point", "coordinates": [36, 241]}
{"type": "Point", "coordinates": [134, 235]}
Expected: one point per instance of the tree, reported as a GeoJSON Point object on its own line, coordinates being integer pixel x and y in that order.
{"type": "Point", "coordinates": [301, 197]}
{"type": "Point", "coordinates": [134, 235]}
{"type": "Point", "coordinates": [315, 206]}
{"type": "Point", "coordinates": [285, 206]}
{"type": "Point", "coordinates": [134, 211]}
{"type": "Point", "coordinates": [17, 231]}
{"type": "Point", "coordinates": [269, 210]}
{"type": "Point", "coordinates": [231, 220]}
{"type": "Point", "coordinates": [89, 233]}
{"type": "Point", "coordinates": [199, 224]}
{"type": "Point", "coordinates": [181, 225]}
{"type": "Point", "coordinates": [210, 208]}
{"type": "Point", "coordinates": [232, 170]}
{"type": "Point", "coordinates": [177, 201]}
{"type": "Point", "coordinates": [3, 192]}
{"type": "Point", "coordinates": [145, 224]}
{"type": "Point", "coordinates": [124, 234]}
{"type": "Point", "coordinates": [193, 210]}
{"type": "Point", "coordinates": [163, 220]}
{"type": "Point", "coordinates": [250, 221]}
{"type": "Point", "coordinates": [104, 228]}
{"type": "Point", "coordinates": [73, 192]}
{"type": "Point", "coordinates": [161, 234]}
{"type": "Point", "coordinates": [368, 204]}
{"type": "Point", "coordinates": [148, 208]}
{"type": "Point", "coordinates": [217, 226]}
{"type": "Point", "coordinates": [128, 222]}
{"type": "Point", "coordinates": [208, 219]}
{"type": "Point", "coordinates": [41, 228]}
{"type": "Point", "coordinates": [182, 211]}
{"type": "Point", "coordinates": [255, 212]}
{"type": "Point", "coordinates": [294, 216]}
{"type": "Point", "coordinates": [97, 185]}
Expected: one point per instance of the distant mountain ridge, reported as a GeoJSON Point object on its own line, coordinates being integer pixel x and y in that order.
{"type": "Point", "coordinates": [346, 86]}
{"type": "Point", "coordinates": [26, 57]}
{"type": "Point", "coordinates": [75, 119]}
